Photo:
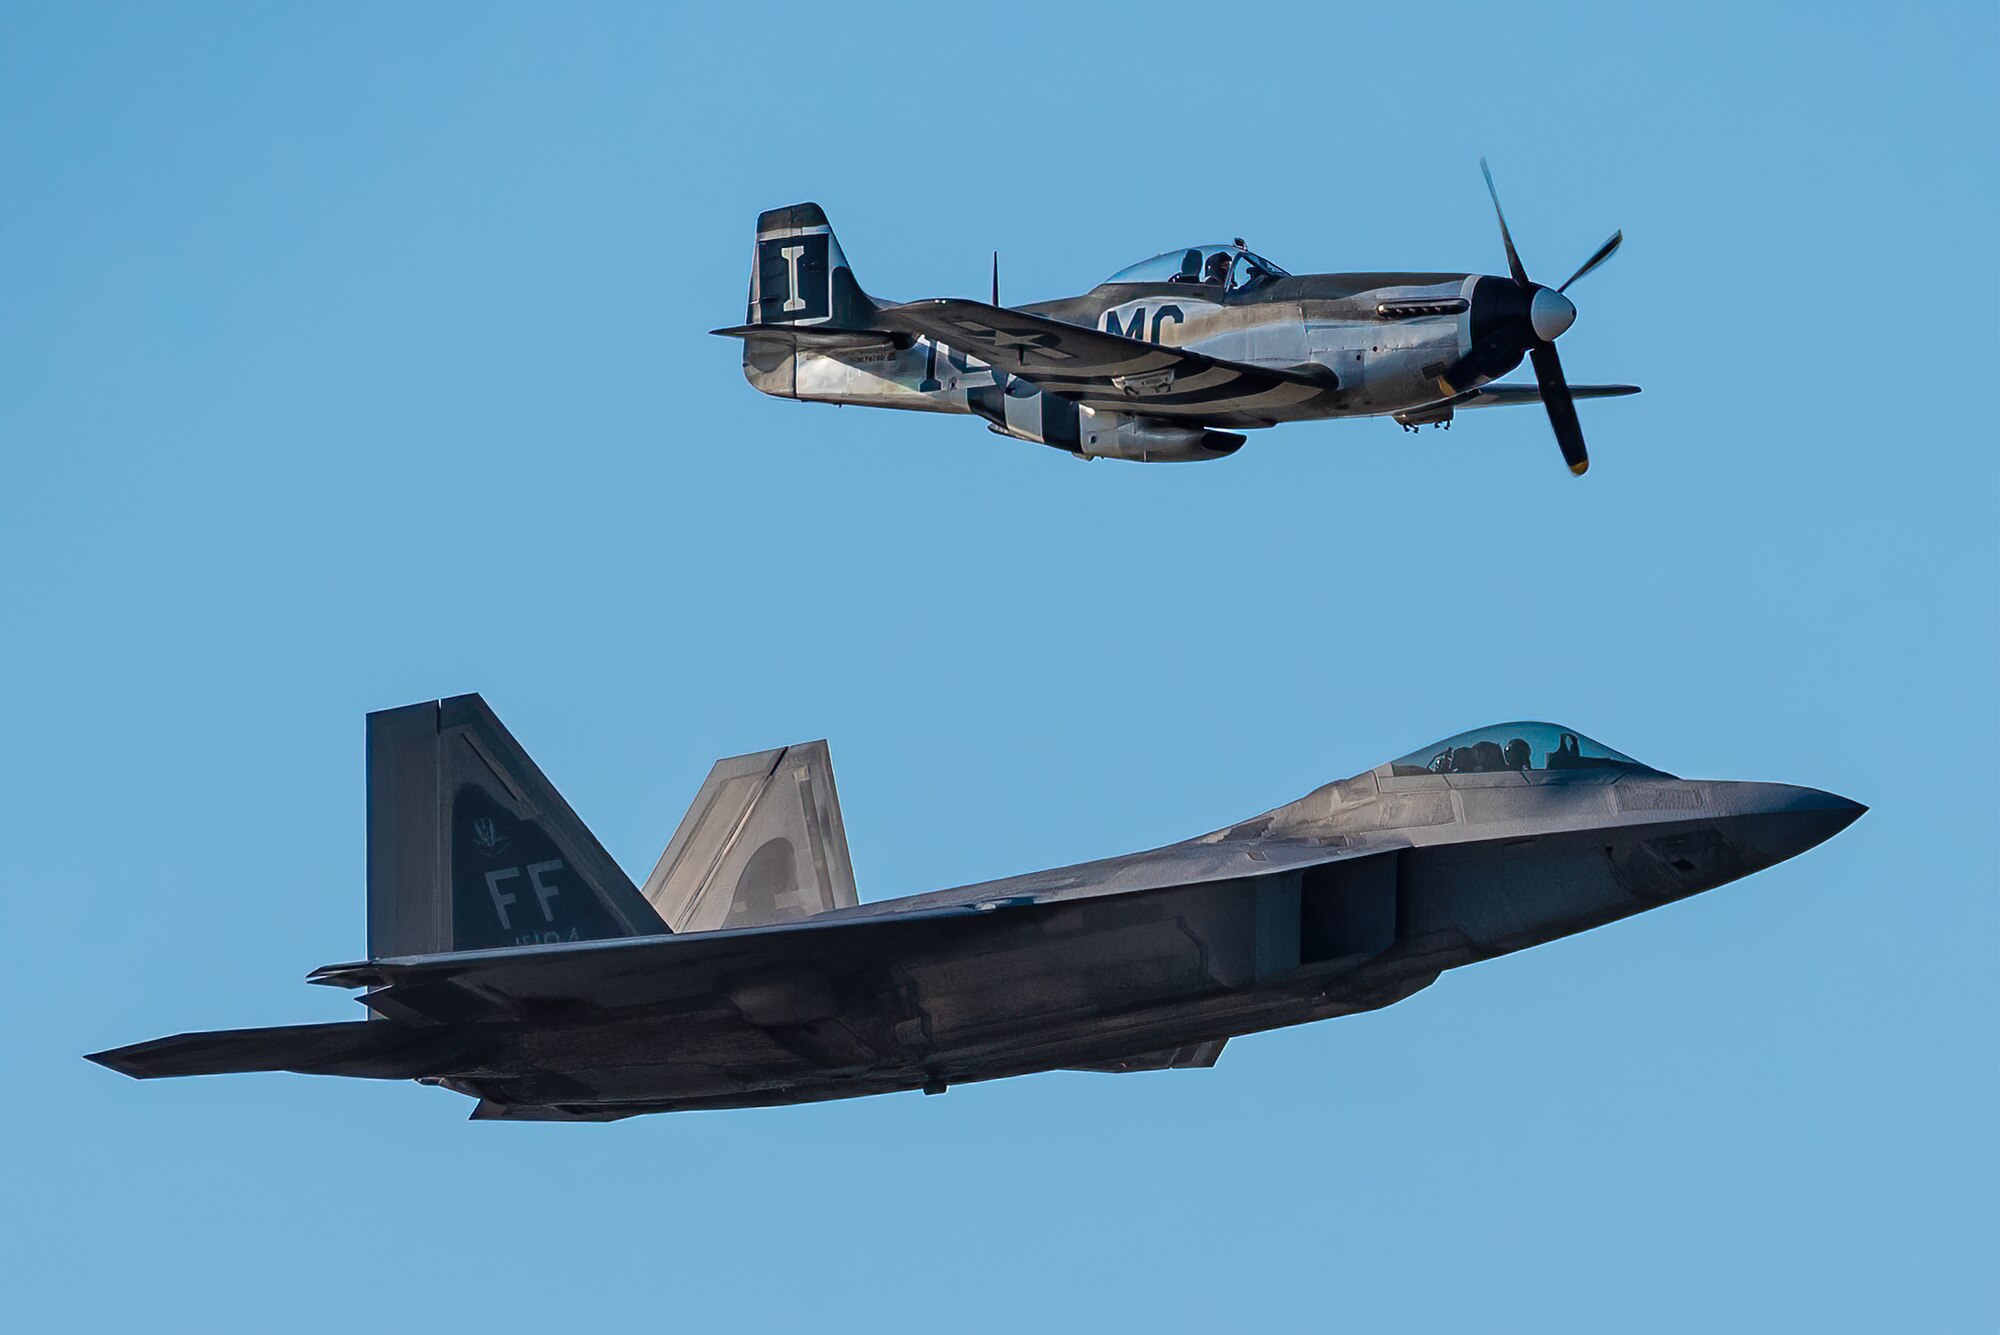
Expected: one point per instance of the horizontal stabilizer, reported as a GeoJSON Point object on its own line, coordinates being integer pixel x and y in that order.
{"type": "Point", "coordinates": [811, 339]}
{"type": "Point", "coordinates": [373, 1049]}
{"type": "Point", "coordinates": [1166, 1059]}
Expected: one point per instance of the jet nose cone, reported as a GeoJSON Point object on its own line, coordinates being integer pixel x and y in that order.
{"type": "Point", "coordinates": [1796, 819]}
{"type": "Point", "coordinates": [1550, 312]}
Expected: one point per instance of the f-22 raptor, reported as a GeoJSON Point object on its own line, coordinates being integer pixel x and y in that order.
{"type": "Point", "coordinates": [1168, 360]}
{"type": "Point", "coordinates": [511, 960]}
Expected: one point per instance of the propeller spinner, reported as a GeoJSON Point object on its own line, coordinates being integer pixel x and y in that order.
{"type": "Point", "coordinates": [1548, 314]}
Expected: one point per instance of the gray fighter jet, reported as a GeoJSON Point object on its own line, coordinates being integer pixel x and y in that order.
{"type": "Point", "coordinates": [1170, 359]}
{"type": "Point", "coordinates": [511, 960]}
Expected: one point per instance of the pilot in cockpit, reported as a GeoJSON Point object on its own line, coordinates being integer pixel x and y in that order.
{"type": "Point", "coordinates": [1483, 757]}
{"type": "Point", "coordinates": [1217, 269]}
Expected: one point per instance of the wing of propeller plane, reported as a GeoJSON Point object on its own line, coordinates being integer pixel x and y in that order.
{"type": "Point", "coordinates": [1112, 372]}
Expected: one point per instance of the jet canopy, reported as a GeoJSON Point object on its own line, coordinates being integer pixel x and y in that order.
{"type": "Point", "coordinates": [1512, 746]}
{"type": "Point", "coordinates": [1231, 267]}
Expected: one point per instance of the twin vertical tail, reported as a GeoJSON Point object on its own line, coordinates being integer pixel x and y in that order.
{"type": "Point", "coordinates": [470, 847]}
{"type": "Point", "coordinates": [800, 277]}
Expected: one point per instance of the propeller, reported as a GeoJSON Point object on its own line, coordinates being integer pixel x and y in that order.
{"type": "Point", "coordinates": [996, 273]}
{"type": "Point", "coordinates": [1514, 265]}
{"type": "Point", "coordinates": [1604, 252]}
{"type": "Point", "coordinates": [1539, 316]}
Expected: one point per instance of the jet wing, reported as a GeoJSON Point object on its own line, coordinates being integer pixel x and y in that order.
{"type": "Point", "coordinates": [1112, 372]}
{"type": "Point", "coordinates": [545, 982]}
{"type": "Point", "coordinates": [768, 968]}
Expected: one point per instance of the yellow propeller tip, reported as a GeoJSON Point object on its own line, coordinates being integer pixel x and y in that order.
{"type": "Point", "coordinates": [1580, 467]}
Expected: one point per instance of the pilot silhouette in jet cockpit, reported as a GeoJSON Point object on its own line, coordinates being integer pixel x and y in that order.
{"type": "Point", "coordinates": [1483, 757]}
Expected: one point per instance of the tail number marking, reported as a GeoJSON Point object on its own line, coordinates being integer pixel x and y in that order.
{"type": "Point", "coordinates": [544, 891]}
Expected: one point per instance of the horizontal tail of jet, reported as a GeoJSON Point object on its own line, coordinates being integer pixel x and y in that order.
{"type": "Point", "coordinates": [372, 1049]}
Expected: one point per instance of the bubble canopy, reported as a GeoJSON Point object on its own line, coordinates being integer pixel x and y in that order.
{"type": "Point", "coordinates": [1229, 266]}
{"type": "Point", "coordinates": [1513, 746]}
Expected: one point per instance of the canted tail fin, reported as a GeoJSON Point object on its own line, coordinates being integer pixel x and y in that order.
{"type": "Point", "coordinates": [471, 847]}
{"type": "Point", "coordinates": [763, 843]}
{"type": "Point", "coordinates": [800, 277]}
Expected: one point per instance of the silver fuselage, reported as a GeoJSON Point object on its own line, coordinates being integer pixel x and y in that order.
{"type": "Point", "coordinates": [1383, 341]}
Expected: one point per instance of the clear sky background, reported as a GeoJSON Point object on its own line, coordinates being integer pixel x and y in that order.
{"type": "Point", "coordinates": [357, 355]}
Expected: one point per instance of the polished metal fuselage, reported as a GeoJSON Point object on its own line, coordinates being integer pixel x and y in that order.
{"type": "Point", "coordinates": [1382, 342]}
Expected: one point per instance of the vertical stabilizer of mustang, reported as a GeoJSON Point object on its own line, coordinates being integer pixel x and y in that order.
{"type": "Point", "coordinates": [470, 847]}
{"type": "Point", "coordinates": [800, 278]}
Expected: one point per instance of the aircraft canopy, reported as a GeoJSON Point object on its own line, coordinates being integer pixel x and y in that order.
{"type": "Point", "coordinates": [1512, 746]}
{"type": "Point", "coordinates": [1231, 267]}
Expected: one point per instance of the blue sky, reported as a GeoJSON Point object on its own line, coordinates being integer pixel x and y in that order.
{"type": "Point", "coordinates": [357, 355]}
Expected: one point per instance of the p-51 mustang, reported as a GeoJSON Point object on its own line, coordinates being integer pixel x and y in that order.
{"type": "Point", "coordinates": [510, 959]}
{"type": "Point", "coordinates": [1170, 359]}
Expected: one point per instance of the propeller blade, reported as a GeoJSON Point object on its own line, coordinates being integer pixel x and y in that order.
{"type": "Point", "coordinates": [1562, 408]}
{"type": "Point", "coordinates": [1506, 239]}
{"type": "Point", "coordinates": [996, 278]}
{"type": "Point", "coordinates": [1604, 252]}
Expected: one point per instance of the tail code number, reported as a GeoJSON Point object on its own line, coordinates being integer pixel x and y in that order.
{"type": "Point", "coordinates": [507, 884]}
